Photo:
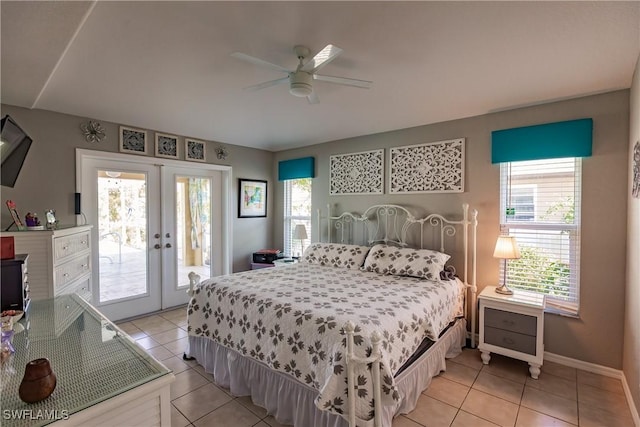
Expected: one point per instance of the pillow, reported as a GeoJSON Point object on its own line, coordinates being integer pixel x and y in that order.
{"type": "Point", "coordinates": [335, 255]}
{"type": "Point", "coordinates": [422, 263]}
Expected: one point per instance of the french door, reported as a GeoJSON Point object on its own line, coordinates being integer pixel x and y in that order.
{"type": "Point", "coordinates": [154, 221]}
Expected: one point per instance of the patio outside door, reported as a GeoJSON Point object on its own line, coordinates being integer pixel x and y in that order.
{"type": "Point", "coordinates": [153, 224]}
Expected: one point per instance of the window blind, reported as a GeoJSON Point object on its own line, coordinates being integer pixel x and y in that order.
{"type": "Point", "coordinates": [540, 206]}
{"type": "Point", "coordinates": [297, 210]}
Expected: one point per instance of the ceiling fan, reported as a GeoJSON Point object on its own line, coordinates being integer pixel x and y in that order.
{"type": "Point", "coordinates": [301, 79]}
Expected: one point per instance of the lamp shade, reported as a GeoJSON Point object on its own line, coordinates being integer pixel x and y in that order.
{"type": "Point", "coordinates": [506, 248]}
{"type": "Point", "coordinates": [300, 232]}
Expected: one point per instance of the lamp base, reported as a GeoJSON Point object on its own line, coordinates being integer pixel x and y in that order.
{"type": "Point", "coordinates": [504, 290]}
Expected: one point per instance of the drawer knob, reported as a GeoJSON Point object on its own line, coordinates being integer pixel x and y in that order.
{"type": "Point", "coordinates": [508, 340]}
{"type": "Point", "coordinates": [65, 275]}
{"type": "Point", "coordinates": [508, 322]}
{"type": "Point", "coordinates": [64, 248]}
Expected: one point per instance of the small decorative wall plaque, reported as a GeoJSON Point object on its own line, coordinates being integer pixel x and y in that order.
{"type": "Point", "coordinates": [93, 131]}
{"type": "Point", "coordinates": [221, 152]}
{"type": "Point", "coordinates": [166, 146]}
{"type": "Point", "coordinates": [434, 167]}
{"type": "Point", "coordinates": [194, 150]}
{"type": "Point", "coordinates": [133, 140]}
{"type": "Point", "coordinates": [357, 173]}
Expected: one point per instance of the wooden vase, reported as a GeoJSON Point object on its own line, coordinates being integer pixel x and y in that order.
{"type": "Point", "coordinates": [38, 382]}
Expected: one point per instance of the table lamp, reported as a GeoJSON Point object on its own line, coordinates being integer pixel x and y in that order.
{"type": "Point", "coordinates": [506, 248]}
{"type": "Point", "coordinates": [300, 233]}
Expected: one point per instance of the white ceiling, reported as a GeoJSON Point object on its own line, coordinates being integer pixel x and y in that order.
{"type": "Point", "coordinates": [167, 66]}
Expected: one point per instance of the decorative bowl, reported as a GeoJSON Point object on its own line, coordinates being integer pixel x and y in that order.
{"type": "Point", "coordinates": [15, 315]}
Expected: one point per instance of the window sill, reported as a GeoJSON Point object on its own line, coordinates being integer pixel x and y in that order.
{"type": "Point", "coordinates": [562, 312]}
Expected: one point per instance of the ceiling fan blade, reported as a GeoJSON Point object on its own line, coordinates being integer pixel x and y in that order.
{"type": "Point", "coordinates": [313, 98]}
{"type": "Point", "coordinates": [267, 84]}
{"type": "Point", "coordinates": [364, 84]}
{"type": "Point", "coordinates": [322, 58]}
{"type": "Point", "coordinates": [257, 61]}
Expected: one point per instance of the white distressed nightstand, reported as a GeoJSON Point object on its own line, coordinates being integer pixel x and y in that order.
{"type": "Point", "coordinates": [512, 325]}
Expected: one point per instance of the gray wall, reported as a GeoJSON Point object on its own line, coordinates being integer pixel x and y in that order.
{"type": "Point", "coordinates": [47, 179]}
{"type": "Point", "coordinates": [631, 362]}
{"type": "Point", "coordinates": [596, 336]}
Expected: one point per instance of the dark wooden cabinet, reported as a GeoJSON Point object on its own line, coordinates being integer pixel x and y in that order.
{"type": "Point", "coordinates": [14, 287]}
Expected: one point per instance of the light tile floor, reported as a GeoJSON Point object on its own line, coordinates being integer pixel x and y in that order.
{"type": "Point", "coordinates": [468, 394]}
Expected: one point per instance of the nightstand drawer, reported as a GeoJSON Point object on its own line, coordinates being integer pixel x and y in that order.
{"type": "Point", "coordinates": [515, 322]}
{"type": "Point", "coordinates": [511, 340]}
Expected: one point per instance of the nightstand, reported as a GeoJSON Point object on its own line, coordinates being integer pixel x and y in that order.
{"type": "Point", "coordinates": [512, 325]}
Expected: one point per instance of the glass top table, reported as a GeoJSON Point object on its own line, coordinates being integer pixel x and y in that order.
{"type": "Point", "coordinates": [92, 358]}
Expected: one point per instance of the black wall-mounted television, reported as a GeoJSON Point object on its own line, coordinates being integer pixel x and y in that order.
{"type": "Point", "coordinates": [15, 146]}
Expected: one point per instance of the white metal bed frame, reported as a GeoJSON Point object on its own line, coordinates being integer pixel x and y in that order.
{"type": "Point", "coordinates": [394, 231]}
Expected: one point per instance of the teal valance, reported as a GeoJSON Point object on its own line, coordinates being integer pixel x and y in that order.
{"type": "Point", "coordinates": [296, 168]}
{"type": "Point", "coordinates": [571, 138]}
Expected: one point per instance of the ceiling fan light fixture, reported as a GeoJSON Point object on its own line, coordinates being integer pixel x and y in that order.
{"type": "Point", "coordinates": [300, 84]}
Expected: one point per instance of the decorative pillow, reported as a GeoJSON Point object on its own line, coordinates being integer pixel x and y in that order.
{"type": "Point", "coordinates": [335, 255]}
{"type": "Point", "coordinates": [422, 263]}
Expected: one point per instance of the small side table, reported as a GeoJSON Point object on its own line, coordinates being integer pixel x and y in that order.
{"type": "Point", "coordinates": [512, 325]}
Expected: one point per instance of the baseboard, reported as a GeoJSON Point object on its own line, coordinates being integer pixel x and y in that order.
{"type": "Point", "coordinates": [601, 370]}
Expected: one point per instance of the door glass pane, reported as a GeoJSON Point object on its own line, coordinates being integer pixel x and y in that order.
{"type": "Point", "coordinates": [122, 222]}
{"type": "Point", "coordinates": [193, 221]}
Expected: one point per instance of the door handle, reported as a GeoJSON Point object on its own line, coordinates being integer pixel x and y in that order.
{"type": "Point", "coordinates": [168, 245]}
{"type": "Point", "coordinates": [157, 246]}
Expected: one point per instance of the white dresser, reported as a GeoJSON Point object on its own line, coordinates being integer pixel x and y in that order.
{"type": "Point", "coordinates": [59, 260]}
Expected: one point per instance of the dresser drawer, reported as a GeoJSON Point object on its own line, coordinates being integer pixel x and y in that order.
{"type": "Point", "coordinates": [520, 323]}
{"type": "Point", "coordinates": [511, 340]}
{"type": "Point", "coordinates": [67, 273]}
{"type": "Point", "coordinates": [67, 246]}
{"type": "Point", "coordinates": [81, 288]}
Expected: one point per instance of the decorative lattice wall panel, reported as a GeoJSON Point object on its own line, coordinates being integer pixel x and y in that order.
{"type": "Point", "coordinates": [357, 173]}
{"type": "Point", "coordinates": [434, 167]}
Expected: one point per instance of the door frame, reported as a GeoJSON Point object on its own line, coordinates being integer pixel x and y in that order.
{"type": "Point", "coordinates": [226, 172]}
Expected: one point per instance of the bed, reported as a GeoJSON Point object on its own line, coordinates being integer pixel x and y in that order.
{"type": "Point", "coordinates": [352, 333]}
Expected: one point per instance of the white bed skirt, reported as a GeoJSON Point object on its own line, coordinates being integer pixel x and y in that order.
{"type": "Point", "coordinates": [291, 402]}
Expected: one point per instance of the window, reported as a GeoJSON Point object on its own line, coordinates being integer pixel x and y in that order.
{"type": "Point", "coordinates": [540, 206]}
{"type": "Point", "coordinates": [297, 210]}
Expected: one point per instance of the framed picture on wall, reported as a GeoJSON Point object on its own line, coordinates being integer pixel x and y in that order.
{"type": "Point", "coordinates": [166, 146]}
{"type": "Point", "coordinates": [133, 140]}
{"type": "Point", "coordinates": [194, 150]}
{"type": "Point", "coordinates": [252, 198]}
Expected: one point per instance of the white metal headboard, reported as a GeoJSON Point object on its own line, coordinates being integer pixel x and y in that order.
{"type": "Point", "coordinates": [395, 225]}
